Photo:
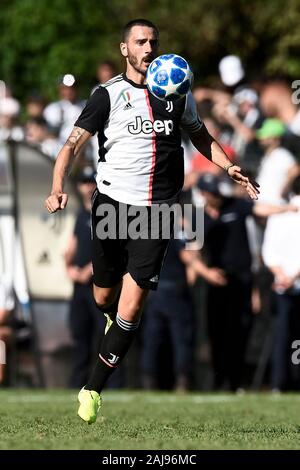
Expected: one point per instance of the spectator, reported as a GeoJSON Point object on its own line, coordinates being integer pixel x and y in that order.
{"type": "Point", "coordinates": [105, 71]}
{"type": "Point", "coordinates": [61, 114]}
{"type": "Point", "coordinates": [35, 106]}
{"type": "Point", "coordinates": [9, 112]}
{"type": "Point", "coordinates": [281, 254]}
{"type": "Point", "coordinates": [170, 312]}
{"type": "Point", "coordinates": [201, 165]}
{"type": "Point", "coordinates": [276, 101]}
{"type": "Point", "coordinates": [6, 306]}
{"type": "Point", "coordinates": [229, 277]}
{"type": "Point", "coordinates": [38, 134]}
{"type": "Point", "coordinates": [231, 71]}
{"type": "Point", "coordinates": [12, 280]}
{"type": "Point", "coordinates": [277, 163]}
{"type": "Point", "coordinates": [209, 102]}
{"type": "Point", "coordinates": [247, 119]}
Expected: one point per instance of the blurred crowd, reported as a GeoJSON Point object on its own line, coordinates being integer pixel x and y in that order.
{"type": "Point", "coordinates": [209, 298]}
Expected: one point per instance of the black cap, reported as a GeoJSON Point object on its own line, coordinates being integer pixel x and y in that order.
{"type": "Point", "coordinates": [87, 175]}
{"type": "Point", "coordinates": [209, 182]}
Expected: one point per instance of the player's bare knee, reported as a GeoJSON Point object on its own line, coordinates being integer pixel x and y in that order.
{"type": "Point", "coordinates": [103, 297]}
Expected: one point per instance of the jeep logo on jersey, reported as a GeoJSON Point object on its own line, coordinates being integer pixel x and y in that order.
{"type": "Point", "coordinates": [147, 126]}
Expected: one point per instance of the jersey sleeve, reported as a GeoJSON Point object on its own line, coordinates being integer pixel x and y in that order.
{"type": "Point", "coordinates": [190, 121]}
{"type": "Point", "coordinates": [96, 111]}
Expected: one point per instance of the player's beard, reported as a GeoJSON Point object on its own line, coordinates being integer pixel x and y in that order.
{"type": "Point", "coordinates": [132, 59]}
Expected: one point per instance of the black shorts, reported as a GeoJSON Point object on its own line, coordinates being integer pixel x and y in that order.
{"type": "Point", "coordinates": [115, 248]}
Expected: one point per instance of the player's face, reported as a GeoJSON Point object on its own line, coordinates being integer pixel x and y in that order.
{"type": "Point", "coordinates": [140, 48]}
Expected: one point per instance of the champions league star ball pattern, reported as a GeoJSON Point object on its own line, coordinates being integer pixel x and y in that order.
{"type": "Point", "coordinates": [169, 77]}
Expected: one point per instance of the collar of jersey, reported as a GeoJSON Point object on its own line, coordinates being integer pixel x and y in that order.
{"type": "Point", "coordinates": [136, 85]}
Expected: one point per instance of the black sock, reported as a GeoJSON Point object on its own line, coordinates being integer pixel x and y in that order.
{"type": "Point", "coordinates": [111, 309]}
{"type": "Point", "coordinates": [113, 349]}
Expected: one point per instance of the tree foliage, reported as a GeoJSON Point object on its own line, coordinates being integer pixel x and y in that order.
{"type": "Point", "coordinates": [42, 39]}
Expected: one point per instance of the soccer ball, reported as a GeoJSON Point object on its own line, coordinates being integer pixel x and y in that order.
{"type": "Point", "coordinates": [169, 77]}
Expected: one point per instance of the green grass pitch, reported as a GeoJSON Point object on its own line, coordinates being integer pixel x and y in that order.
{"type": "Point", "coordinates": [142, 420]}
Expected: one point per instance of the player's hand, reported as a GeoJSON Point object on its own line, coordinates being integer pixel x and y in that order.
{"type": "Point", "coordinates": [249, 184]}
{"type": "Point", "coordinates": [56, 202]}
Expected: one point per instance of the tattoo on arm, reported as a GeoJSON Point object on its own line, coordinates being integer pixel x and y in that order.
{"type": "Point", "coordinates": [74, 137]}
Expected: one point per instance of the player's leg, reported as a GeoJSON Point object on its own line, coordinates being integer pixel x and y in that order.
{"type": "Point", "coordinates": [108, 269]}
{"type": "Point", "coordinates": [114, 347]}
{"type": "Point", "coordinates": [142, 259]}
{"type": "Point", "coordinates": [107, 259]}
{"type": "Point", "coordinates": [118, 339]}
{"type": "Point", "coordinates": [107, 299]}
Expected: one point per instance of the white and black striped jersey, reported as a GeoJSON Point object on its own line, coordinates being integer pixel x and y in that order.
{"type": "Point", "coordinates": [140, 153]}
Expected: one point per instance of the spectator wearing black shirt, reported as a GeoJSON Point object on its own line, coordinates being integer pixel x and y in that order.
{"type": "Point", "coordinates": [170, 314]}
{"type": "Point", "coordinates": [229, 277]}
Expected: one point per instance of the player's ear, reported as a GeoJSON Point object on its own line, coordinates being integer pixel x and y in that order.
{"type": "Point", "coordinates": [123, 48]}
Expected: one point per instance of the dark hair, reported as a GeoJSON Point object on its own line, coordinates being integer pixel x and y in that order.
{"type": "Point", "coordinates": [38, 120]}
{"type": "Point", "coordinates": [108, 63]}
{"type": "Point", "coordinates": [138, 22]}
{"type": "Point", "coordinates": [296, 185]}
{"type": "Point", "coordinates": [35, 98]}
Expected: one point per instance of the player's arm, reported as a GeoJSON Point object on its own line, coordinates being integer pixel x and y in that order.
{"type": "Point", "coordinates": [211, 149]}
{"type": "Point", "coordinates": [58, 199]}
{"type": "Point", "coordinates": [91, 120]}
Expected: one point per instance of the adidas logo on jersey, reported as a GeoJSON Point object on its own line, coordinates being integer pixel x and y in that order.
{"type": "Point", "coordinates": [128, 106]}
{"type": "Point", "coordinates": [147, 126]}
{"type": "Point", "coordinates": [154, 279]}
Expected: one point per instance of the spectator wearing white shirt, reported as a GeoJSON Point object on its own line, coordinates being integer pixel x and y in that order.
{"type": "Point", "coordinates": [279, 100]}
{"type": "Point", "coordinates": [13, 283]}
{"type": "Point", "coordinates": [9, 112]}
{"type": "Point", "coordinates": [281, 254]}
{"type": "Point", "coordinates": [277, 163]}
{"type": "Point", "coordinates": [61, 114]}
{"type": "Point", "coordinates": [39, 135]}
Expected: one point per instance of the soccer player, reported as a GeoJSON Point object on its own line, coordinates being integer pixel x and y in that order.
{"type": "Point", "coordinates": [140, 165]}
